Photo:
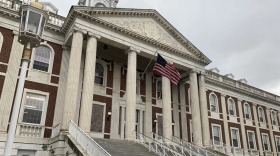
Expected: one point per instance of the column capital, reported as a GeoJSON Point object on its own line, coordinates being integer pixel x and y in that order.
{"type": "Point", "coordinates": [93, 35]}
{"type": "Point", "coordinates": [132, 49]}
{"type": "Point", "coordinates": [15, 32]}
{"type": "Point", "coordinates": [118, 63]}
{"type": "Point", "coordinates": [223, 95]}
{"type": "Point", "coordinates": [194, 71]}
{"type": "Point", "coordinates": [239, 100]}
{"type": "Point", "coordinates": [64, 47]}
{"type": "Point", "coordinates": [254, 104]}
{"type": "Point", "coordinates": [80, 30]}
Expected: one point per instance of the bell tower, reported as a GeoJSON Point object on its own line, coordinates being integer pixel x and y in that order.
{"type": "Point", "coordinates": [99, 3]}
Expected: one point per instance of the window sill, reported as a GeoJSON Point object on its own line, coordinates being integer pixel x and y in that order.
{"type": "Point", "coordinates": [41, 71]}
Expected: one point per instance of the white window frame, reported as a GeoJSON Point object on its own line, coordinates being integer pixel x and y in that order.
{"type": "Point", "coordinates": [217, 104]}
{"type": "Point", "coordinates": [254, 139]}
{"type": "Point", "coordinates": [276, 136]}
{"type": "Point", "coordinates": [157, 88]}
{"type": "Point", "coordinates": [263, 114]}
{"type": "Point", "coordinates": [234, 108]}
{"type": "Point", "coordinates": [249, 111]}
{"type": "Point", "coordinates": [44, 110]}
{"type": "Point", "coordinates": [276, 124]}
{"type": "Point", "coordinates": [104, 64]}
{"type": "Point", "coordinates": [267, 141]}
{"type": "Point", "coordinates": [51, 58]}
{"type": "Point", "coordinates": [238, 136]}
{"type": "Point", "coordinates": [221, 137]}
{"type": "Point", "coordinates": [1, 41]}
{"type": "Point", "coordinates": [99, 134]}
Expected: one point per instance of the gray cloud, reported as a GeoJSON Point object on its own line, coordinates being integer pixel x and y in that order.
{"type": "Point", "coordinates": [240, 37]}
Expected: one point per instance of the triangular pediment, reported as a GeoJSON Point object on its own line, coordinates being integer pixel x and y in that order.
{"type": "Point", "coordinates": [148, 25]}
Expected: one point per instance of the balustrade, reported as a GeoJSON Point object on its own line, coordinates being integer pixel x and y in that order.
{"type": "Point", "coordinates": [30, 130]}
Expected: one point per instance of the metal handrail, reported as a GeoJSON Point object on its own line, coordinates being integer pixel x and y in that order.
{"type": "Point", "coordinates": [155, 146]}
{"type": "Point", "coordinates": [195, 150]}
{"type": "Point", "coordinates": [88, 144]}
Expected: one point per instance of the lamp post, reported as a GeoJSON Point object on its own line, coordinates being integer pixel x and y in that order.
{"type": "Point", "coordinates": [33, 20]}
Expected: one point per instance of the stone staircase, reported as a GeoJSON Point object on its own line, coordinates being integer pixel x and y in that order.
{"type": "Point", "coordinates": [124, 148]}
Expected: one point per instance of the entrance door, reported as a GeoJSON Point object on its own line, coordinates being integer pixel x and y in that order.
{"type": "Point", "coordinates": [137, 124]}
{"type": "Point", "coordinates": [160, 125]}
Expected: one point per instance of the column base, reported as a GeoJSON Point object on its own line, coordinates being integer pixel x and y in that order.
{"type": "Point", "coordinates": [130, 138]}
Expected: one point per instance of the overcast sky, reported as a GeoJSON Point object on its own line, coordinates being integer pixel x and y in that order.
{"type": "Point", "coordinates": [239, 36]}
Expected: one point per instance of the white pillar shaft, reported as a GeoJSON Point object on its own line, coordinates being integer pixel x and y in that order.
{"type": "Point", "coordinates": [196, 121]}
{"type": "Point", "coordinates": [258, 135]}
{"type": "Point", "coordinates": [131, 95]}
{"type": "Point", "coordinates": [204, 112]}
{"type": "Point", "coordinates": [88, 85]}
{"type": "Point", "coordinates": [15, 113]}
{"type": "Point", "coordinates": [116, 102]}
{"type": "Point", "coordinates": [166, 108]}
{"type": "Point", "coordinates": [183, 111]}
{"type": "Point", "coordinates": [122, 123]}
{"type": "Point", "coordinates": [273, 146]}
{"type": "Point", "coordinates": [148, 111]}
{"type": "Point", "coordinates": [243, 133]}
{"type": "Point", "coordinates": [73, 76]}
{"type": "Point", "coordinates": [176, 111]}
{"type": "Point", "coordinates": [226, 130]}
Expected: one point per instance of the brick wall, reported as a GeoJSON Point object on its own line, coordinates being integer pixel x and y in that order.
{"type": "Point", "coordinates": [7, 44]}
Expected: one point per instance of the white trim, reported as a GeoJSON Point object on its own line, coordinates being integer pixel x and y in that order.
{"type": "Point", "coordinates": [157, 114]}
{"type": "Point", "coordinates": [272, 118]}
{"type": "Point", "coordinates": [189, 100]}
{"type": "Point", "coordinates": [103, 63]}
{"type": "Point", "coordinates": [263, 115]}
{"type": "Point", "coordinates": [250, 116]}
{"type": "Point", "coordinates": [238, 136]}
{"type": "Point", "coordinates": [267, 141]}
{"type": "Point", "coordinates": [221, 136]}
{"type": "Point", "coordinates": [234, 109]}
{"type": "Point", "coordinates": [254, 139]}
{"type": "Point", "coordinates": [1, 41]}
{"type": "Point", "coordinates": [217, 102]}
{"type": "Point", "coordinates": [99, 134]}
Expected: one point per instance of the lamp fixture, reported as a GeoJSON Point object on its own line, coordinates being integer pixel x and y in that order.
{"type": "Point", "coordinates": [173, 123]}
{"type": "Point", "coordinates": [155, 121]}
{"type": "Point", "coordinates": [109, 114]}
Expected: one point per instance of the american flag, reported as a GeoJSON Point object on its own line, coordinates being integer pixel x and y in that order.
{"type": "Point", "coordinates": [166, 69]}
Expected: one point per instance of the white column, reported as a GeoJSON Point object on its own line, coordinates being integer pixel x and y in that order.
{"type": "Point", "coordinates": [258, 135]}
{"type": "Point", "coordinates": [204, 112]}
{"type": "Point", "coordinates": [176, 111]}
{"type": "Point", "coordinates": [166, 108]}
{"type": "Point", "coordinates": [9, 87]}
{"type": "Point", "coordinates": [88, 83]}
{"type": "Point", "coordinates": [244, 140]}
{"type": "Point", "coordinates": [116, 101]}
{"type": "Point", "coordinates": [196, 121]}
{"type": "Point", "coordinates": [122, 123]}
{"type": "Point", "coordinates": [141, 121]}
{"type": "Point", "coordinates": [148, 111]}
{"type": "Point", "coordinates": [225, 114]}
{"type": "Point", "coordinates": [183, 111]}
{"type": "Point", "coordinates": [71, 92]}
{"type": "Point", "coordinates": [131, 93]}
{"type": "Point", "coordinates": [268, 116]}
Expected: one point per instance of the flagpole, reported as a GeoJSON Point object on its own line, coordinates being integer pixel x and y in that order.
{"type": "Point", "coordinates": [148, 64]}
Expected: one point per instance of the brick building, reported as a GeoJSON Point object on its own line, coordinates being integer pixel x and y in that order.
{"type": "Point", "coordinates": [89, 70]}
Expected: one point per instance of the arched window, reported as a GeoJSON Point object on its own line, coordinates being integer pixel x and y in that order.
{"type": "Point", "coordinates": [274, 118]}
{"type": "Point", "coordinates": [159, 89]}
{"type": "Point", "coordinates": [213, 103]}
{"type": "Point", "coordinates": [231, 107]}
{"type": "Point", "coordinates": [100, 5]}
{"type": "Point", "coordinates": [42, 58]}
{"type": "Point", "coordinates": [261, 114]}
{"type": "Point", "coordinates": [247, 111]}
{"type": "Point", "coordinates": [1, 41]}
{"type": "Point", "coordinates": [99, 74]}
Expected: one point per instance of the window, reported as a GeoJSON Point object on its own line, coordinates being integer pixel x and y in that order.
{"type": "Point", "coordinates": [159, 89]}
{"type": "Point", "coordinates": [33, 108]}
{"type": "Point", "coordinates": [99, 74]}
{"type": "Point", "coordinates": [231, 107]}
{"type": "Point", "coordinates": [261, 114]}
{"type": "Point", "coordinates": [234, 137]}
{"type": "Point", "coordinates": [42, 58]}
{"type": "Point", "coordinates": [213, 103]}
{"type": "Point", "coordinates": [216, 135]}
{"type": "Point", "coordinates": [274, 118]}
{"type": "Point", "coordinates": [247, 111]}
{"type": "Point", "coordinates": [265, 142]}
{"type": "Point", "coordinates": [251, 139]}
{"type": "Point", "coordinates": [278, 143]}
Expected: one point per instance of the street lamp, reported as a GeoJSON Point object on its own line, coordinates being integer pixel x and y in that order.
{"type": "Point", "coordinates": [33, 20]}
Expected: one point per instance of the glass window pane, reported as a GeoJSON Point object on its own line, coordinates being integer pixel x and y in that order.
{"type": "Point", "coordinates": [42, 26]}
{"type": "Point", "coordinates": [24, 14]}
{"type": "Point", "coordinates": [99, 74]}
{"type": "Point", "coordinates": [213, 102]}
{"type": "Point", "coordinates": [33, 22]}
{"type": "Point", "coordinates": [216, 133]}
{"type": "Point", "coordinates": [33, 108]}
{"type": "Point", "coordinates": [251, 140]}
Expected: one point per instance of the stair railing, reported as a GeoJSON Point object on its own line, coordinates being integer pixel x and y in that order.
{"type": "Point", "coordinates": [198, 151]}
{"type": "Point", "coordinates": [155, 146]}
{"type": "Point", "coordinates": [88, 144]}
